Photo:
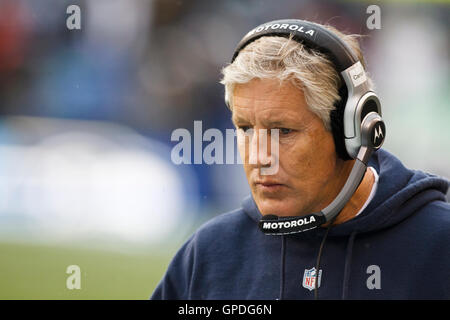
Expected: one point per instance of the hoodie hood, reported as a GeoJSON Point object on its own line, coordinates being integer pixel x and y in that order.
{"type": "Point", "coordinates": [400, 193]}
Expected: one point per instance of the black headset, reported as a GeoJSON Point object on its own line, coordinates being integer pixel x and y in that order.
{"type": "Point", "coordinates": [356, 122]}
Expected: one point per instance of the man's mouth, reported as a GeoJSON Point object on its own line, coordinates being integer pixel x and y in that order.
{"type": "Point", "coordinates": [269, 186]}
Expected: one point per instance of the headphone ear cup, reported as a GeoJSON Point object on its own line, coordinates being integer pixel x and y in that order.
{"type": "Point", "coordinates": [337, 124]}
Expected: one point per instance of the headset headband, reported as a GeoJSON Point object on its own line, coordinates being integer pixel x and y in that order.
{"type": "Point", "coordinates": [312, 34]}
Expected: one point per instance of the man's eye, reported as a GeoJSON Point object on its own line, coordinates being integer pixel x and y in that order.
{"type": "Point", "coordinates": [285, 130]}
{"type": "Point", "coordinates": [245, 128]}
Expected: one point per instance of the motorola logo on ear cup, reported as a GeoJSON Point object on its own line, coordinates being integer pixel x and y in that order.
{"type": "Point", "coordinates": [373, 131]}
{"type": "Point", "coordinates": [378, 134]}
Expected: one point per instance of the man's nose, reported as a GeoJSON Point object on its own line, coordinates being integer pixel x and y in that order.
{"type": "Point", "coordinates": [259, 148]}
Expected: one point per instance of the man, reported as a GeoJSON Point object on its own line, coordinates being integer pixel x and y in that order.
{"type": "Point", "coordinates": [391, 238]}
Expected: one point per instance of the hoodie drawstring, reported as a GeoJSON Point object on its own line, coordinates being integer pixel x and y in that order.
{"type": "Point", "coordinates": [316, 286]}
{"type": "Point", "coordinates": [348, 262]}
{"type": "Point", "coordinates": [283, 254]}
{"type": "Point", "coordinates": [347, 266]}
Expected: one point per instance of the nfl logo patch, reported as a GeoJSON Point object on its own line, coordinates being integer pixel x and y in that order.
{"type": "Point", "coordinates": [309, 278]}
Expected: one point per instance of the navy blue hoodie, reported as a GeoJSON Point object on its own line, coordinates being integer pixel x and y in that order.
{"type": "Point", "coordinates": [397, 248]}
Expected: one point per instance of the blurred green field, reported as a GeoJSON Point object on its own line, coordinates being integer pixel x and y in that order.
{"type": "Point", "coordinates": [39, 272]}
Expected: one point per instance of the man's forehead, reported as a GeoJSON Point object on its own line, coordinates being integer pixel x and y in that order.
{"type": "Point", "coordinates": [268, 116]}
{"type": "Point", "coordinates": [267, 109]}
{"type": "Point", "coordinates": [264, 92]}
{"type": "Point", "coordinates": [248, 98]}
{"type": "Point", "coordinates": [268, 100]}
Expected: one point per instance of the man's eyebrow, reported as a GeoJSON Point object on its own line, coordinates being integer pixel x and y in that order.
{"type": "Point", "coordinates": [269, 122]}
{"type": "Point", "coordinates": [281, 122]}
{"type": "Point", "coordinates": [237, 119]}
{"type": "Point", "coordinates": [275, 123]}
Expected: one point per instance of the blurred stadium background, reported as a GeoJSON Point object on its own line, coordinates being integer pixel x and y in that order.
{"type": "Point", "coordinates": [86, 118]}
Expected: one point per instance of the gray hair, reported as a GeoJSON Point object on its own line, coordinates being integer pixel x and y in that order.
{"type": "Point", "coordinates": [285, 59]}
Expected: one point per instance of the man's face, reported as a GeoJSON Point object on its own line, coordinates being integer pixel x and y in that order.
{"type": "Point", "coordinates": [309, 173]}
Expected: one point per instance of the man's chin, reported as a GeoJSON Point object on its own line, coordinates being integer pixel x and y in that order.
{"type": "Point", "coordinates": [277, 206]}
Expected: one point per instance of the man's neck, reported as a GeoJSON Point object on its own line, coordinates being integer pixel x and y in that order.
{"type": "Point", "coordinates": [358, 199]}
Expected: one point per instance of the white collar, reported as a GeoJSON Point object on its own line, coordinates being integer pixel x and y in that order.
{"type": "Point", "coordinates": [372, 192]}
